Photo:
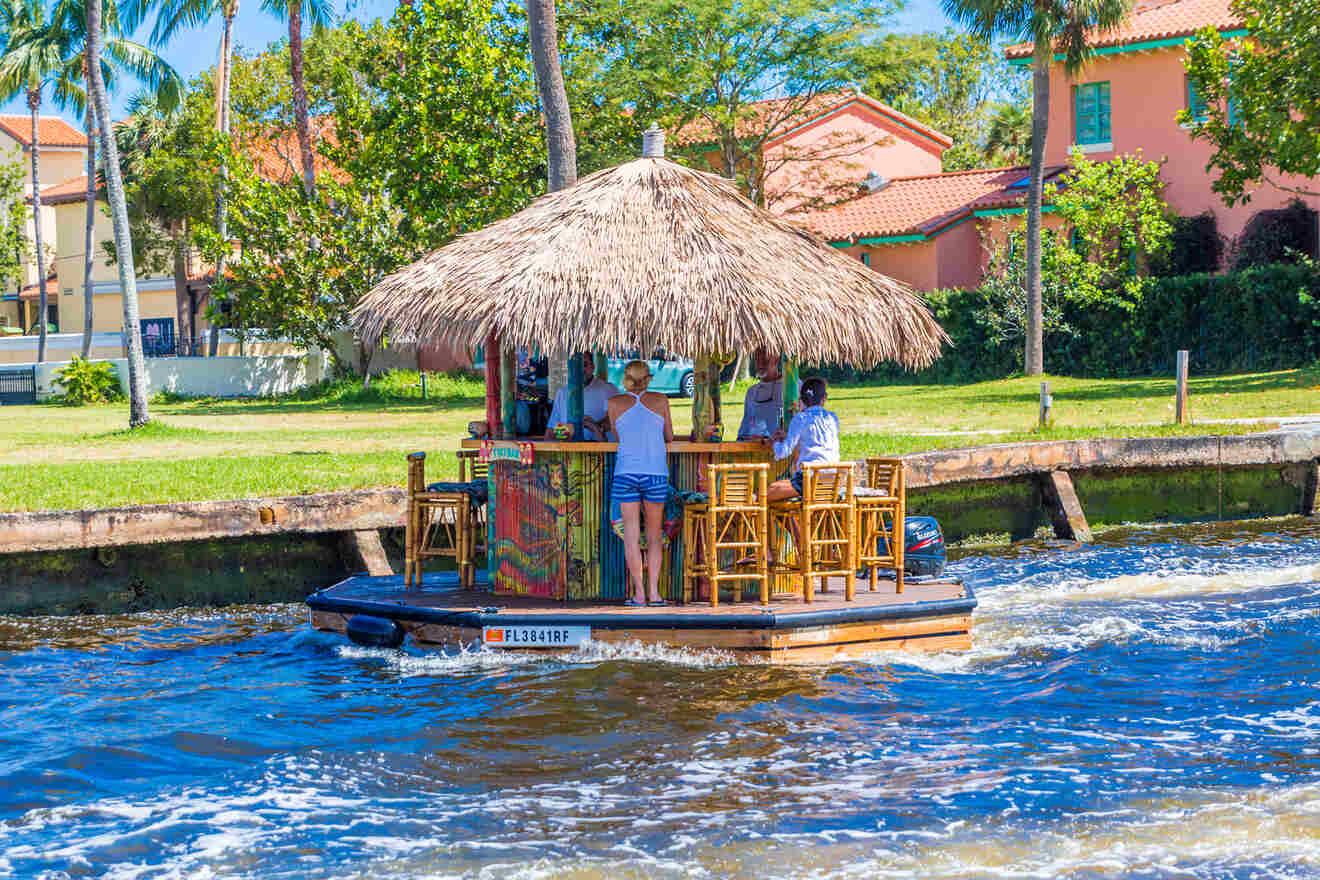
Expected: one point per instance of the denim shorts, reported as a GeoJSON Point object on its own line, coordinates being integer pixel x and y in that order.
{"type": "Point", "coordinates": [640, 487]}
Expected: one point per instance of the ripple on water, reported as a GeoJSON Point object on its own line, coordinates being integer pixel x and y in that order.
{"type": "Point", "coordinates": [1141, 707]}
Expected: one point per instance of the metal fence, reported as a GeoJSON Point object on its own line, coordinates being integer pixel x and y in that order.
{"type": "Point", "coordinates": [18, 385]}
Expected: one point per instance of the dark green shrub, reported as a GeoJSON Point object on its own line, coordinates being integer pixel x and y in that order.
{"type": "Point", "coordinates": [1195, 246]}
{"type": "Point", "coordinates": [87, 382]}
{"type": "Point", "coordinates": [1284, 235]}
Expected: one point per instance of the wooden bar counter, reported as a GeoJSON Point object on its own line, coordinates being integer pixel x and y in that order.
{"type": "Point", "coordinates": [549, 531]}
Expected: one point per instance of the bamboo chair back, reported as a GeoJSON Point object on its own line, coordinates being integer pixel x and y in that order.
{"type": "Point", "coordinates": [442, 523]}
{"type": "Point", "coordinates": [822, 527]}
{"type": "Point", "coordinates": [737, 528]}
{"type": "Point", "coordinates": [880, 520]}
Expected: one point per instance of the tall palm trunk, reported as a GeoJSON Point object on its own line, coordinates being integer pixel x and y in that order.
{"type": "Point", "coordinates": [223, 71]}
{"type": "Point", "coordinates": [137, 373]}
{"type": "Point", "coordinates": [561, 146]}
{"type": "Point", "coordinates": [34, 104]}
{"type": "Point", "coordinates": [89, 234]}
{"type": "Point", "coordinates": [301, 122]}
{"type": "Point", "coordinates": [1034, 360]}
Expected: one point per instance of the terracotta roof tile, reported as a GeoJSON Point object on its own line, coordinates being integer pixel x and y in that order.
{"type": "Point", "coordinates": [53, 131]}
{"type": "Point", "coordinates": [780, 114]}
{"type": "Point", "coordinates": [922, 205]}
{"type": "Point", "coordinates": [32, 291]}
{"type": "Point", "coordinates": [1157, 20]}
{"type": "Point", "coordinates": [72, 190]}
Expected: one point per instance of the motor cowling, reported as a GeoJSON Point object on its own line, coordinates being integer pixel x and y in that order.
{"type": "Point", "coordinates": [924, 553]}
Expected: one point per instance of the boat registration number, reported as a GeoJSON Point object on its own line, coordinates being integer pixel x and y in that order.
{"type": "Point", "coordinates": [535, 636]}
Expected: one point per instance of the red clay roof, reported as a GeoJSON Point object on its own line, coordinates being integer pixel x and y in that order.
{"type": "Point", "coordinates": [279, 157]}
{"type": "Point", "coordinates": [32, 291]}
{"type": "Point", "coordinates": [922, 205]}
{"type": "Point", "coordinates": [53, 131]}
{"type": "Point", "coordinates": [1157, 20]}
{"type": "Point", "coordinates": [72, 190]}
{"type": "Point", "coordinates": [782, 117]}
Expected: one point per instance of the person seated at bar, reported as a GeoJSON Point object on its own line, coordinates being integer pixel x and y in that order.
{"type": "Point", "coordinates": [596, 396]}
{"type": "Point", "coordinates": [763, 407]}
{"type": "Point", "coordinates": [641, 476]}
{"type": "Point", "coordinates": [813, 435]}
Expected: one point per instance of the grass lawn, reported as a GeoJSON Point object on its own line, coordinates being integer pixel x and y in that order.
{"type": "Point", "coordinates": [59, 458]}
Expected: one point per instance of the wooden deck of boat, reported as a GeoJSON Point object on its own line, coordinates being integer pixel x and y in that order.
{"type": "Point", "coordinates": [926, 616]}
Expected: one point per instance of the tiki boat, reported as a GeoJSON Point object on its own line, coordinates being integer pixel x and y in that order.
{"type": "Point", "coordinates": [648, 255]}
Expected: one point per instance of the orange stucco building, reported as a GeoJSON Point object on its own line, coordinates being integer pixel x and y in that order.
{"type": "Point", "coordinates": [928, 230]}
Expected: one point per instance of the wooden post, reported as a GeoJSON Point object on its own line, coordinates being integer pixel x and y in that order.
{"type": "Point", "coordinates": [1046, 406]}
{"type": "Point", "coordinates": [1180, 405]}
{"type": "Point", "coordinates": [492, 351]}
{"type": "Point", "coordinates": [575, 383]}
{"type": "Point", "coordinates": [705, 395]}
{"type": "Point", "coordinates": [509, 392]}
{"type": "Point", "coordinates": [1065, 509]}
{"type": "Point", "coordinates": [789, 372]}
{"type": "Point", "coordinates": [423, 384]}
{"type": "Point", "coordinates": [602, 365]}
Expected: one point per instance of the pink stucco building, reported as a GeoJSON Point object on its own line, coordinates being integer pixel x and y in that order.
{"type": "Point", "coordinates": [927, 230]}
{"type": "Point", "coordinates": [820, 148]}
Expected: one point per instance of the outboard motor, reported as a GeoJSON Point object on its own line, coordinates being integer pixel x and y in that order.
{"type": "Point", "coordinates": [923, 554]}
{"type": "Point", "coordinates": [374, 632]}
{"type": "Point", "coordinates": [923, 548]}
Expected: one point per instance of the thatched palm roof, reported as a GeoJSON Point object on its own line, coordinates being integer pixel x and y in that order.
{"type": "Point", "coordinates": [652, 253]}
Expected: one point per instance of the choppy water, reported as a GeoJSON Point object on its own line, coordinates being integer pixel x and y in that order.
{"type": "Point", "coordinates": [1148, 707]}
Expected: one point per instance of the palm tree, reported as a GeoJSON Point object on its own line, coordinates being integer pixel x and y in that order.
{"type": "Point", "coordinates": [1008, 137]}
{"type": "Point", "coordinates": [137, 375]}
{"type": "Point", "coordinates": [171, 16]}
{"type": "Point", "coordinates": [26, 66]}
{"type": "Point", "coordinates": [1055, 27]}
{"type": "Point", "coordinates": [560, 143]}
{"type": "Point", "coordinates": [320, 12]}
{"type": "Point", "coordinates": [68, 28]}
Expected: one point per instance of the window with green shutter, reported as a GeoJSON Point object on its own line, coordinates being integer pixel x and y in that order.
{"type": "Point", "coordinates": [1195, 103]}
{"type": "Point", "coordinates": [1091, 113]}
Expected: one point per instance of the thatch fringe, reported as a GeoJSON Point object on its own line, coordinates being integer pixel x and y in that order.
{"type": "Point", "coordinates": [648, 254]}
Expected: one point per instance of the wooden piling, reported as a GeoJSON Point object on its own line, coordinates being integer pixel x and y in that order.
{"type": "Point", "coordinates": [1046, 406]}
{"type": "Point", "coordinates": [1180, 405]}
{"type": "Point", "coordinates": [492, 352]}
{"type": "Point", "coordinates": [1065, 509]}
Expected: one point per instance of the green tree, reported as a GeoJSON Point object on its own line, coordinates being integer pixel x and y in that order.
{"type": "Point", "coordinates": [167, 157]}
{"type": "Point", "coordinates": [138, 414]}
{"type": "Point", "coordinates": [1261, 104]}
{"type": "Point", "coordinates": [1054, 26]}
{"type": "Point", "coordinates": [1118, 223]}
{"type": "Point", "coordinates": [452, 153]}
{"type": "Point", "coordinates": [306, 262]}
{"type": "Point", "coordinates": [707, 66]}
{"type": "Point", "coordinates": [15, 249]}
{"type": "Point", "coordinates": [953, 82]}
{"type": "Point", "coordinates": [1008, 135]}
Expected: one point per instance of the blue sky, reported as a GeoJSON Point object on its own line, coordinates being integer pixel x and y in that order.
{"type": "Point", "coordinates": [194, 51]}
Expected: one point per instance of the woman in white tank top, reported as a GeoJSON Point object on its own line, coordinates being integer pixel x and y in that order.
{"type": "Point", "coordinates": [641, 421]}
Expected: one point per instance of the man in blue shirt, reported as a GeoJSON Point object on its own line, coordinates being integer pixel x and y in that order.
{"type": "Point", "coordinates": [813, 434]}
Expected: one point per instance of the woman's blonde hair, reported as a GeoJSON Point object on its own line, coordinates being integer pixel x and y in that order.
{"type": "Point", "coordinates": [636, 376]}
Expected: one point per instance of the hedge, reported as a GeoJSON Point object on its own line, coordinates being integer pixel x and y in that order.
{"type": "Point", "coordinates": [1261, 318]}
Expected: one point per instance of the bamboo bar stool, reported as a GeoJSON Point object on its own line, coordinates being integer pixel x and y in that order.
{"type": "Point", "coordinates": [880, 510]}
{"type": "Point", "coordinates": [694, 548]}
{"type": "Point", "coordinates": [821, 524]}
{"type": "Point", "coordinates": [737, 527]}
{"type": "Point", "coordinates": [445, 522]}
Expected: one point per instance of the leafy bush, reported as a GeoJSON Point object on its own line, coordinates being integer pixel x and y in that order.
{"type": "Point", "coordinates": [87, 382]}
{"type": "Point", "coordinates": [1263, 318]}
{"type": "Point", "coordinates": [1195, 246]}
{"type": "Point", "coordinates": [1285, 235]}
